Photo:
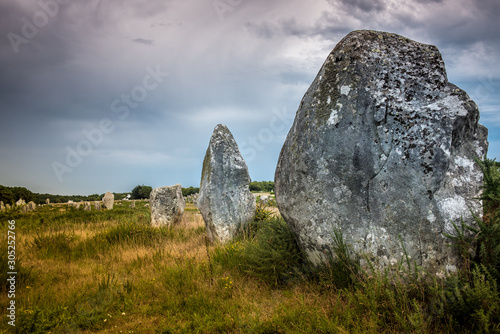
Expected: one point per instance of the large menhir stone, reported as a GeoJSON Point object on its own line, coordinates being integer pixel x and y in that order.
{"type": "Point", "coordinates": [108, 200]}
{"type": "Point", "coordinates": [382, 148]}
{"type": "Point", "coordinates": [225, 200]}
{"type": "Point", "coordinates": [167, 205]}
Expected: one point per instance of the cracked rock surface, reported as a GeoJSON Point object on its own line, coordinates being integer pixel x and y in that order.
{"type": "Point", "coordinates": [225, 200]}
{"type": "Point", "coordinates": [383, 148]}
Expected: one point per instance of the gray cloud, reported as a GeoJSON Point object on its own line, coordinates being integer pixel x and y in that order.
{"type": "Point", "coordinates": [241, 70]}
{"type": "Point", "coordinates": [143, 41]}
{"type": "Point", "coordinates": [363, 5]}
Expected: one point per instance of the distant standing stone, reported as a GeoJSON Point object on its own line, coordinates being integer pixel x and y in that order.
{"type": "Point", "coordinates": [167, 205]}
{"type": "Point", "coordinates": [108, 200]}
{"type": "Point", "coordinates": [47, 201]}
{"type": "Point", "coordinates": [2, 207]}
{"type": "Point", "coordinates": [225, 200]}
{"type": "Point", "coordinates": [132, 205]}
{"type": "Point", "coordinates": [20, 202]}
{"type": "Point", "coordinates": [31, 206]}
{"type": "Point", "coordinates": [87, 207]}
{"type": "Point", "coordinates": [97, 205]}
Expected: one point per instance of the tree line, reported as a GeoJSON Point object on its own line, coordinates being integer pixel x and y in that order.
{"type": "Point", "coordinates": [10, 195]}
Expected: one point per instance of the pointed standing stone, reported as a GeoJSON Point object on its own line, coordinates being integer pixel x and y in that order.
{"type": "Point", "coordinates": [225, 200]}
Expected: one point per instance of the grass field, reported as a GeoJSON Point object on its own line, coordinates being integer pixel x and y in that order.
{"type": "Point", "coordinates": [110, 272]}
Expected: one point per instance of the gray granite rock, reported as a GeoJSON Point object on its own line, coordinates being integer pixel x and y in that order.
{"type": "Point", "coordinates": [167, 205]}
{"type": "Point", "coordinates": [225, 200]}
{"type": "Point", "coordinates": [97, 205]}
{"type": "Point", "coordinates": [382, 147]}
{"type": "Point", "coordinates": [108, 200]}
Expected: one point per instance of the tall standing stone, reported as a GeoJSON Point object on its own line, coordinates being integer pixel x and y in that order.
{"type": "Point", "coordinates": [382, 147]}
{"type": "Point", "coordinates": [108, 200]}
{"type": "Point", "coordinates": [47, 201]}
{"type": "Point", "coordinates": [2, 207]}
{"type": "Point", "coordinates": [167, 205]}
{"type": "Point", "coordinates": [225, 200]}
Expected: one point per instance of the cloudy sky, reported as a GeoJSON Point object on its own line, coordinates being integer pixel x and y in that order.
{"type": "Point", "coordinates": [103, 95]}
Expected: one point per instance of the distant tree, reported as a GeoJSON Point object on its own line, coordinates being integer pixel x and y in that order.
{"type": "Point", "coordinates": [265, 186]}
{"type": "Point", "coordinates": [190, 191]}
{"type": "Point", "coordinates": [10, 195]}
{"type": "Point", "coordinates": [141, 191]}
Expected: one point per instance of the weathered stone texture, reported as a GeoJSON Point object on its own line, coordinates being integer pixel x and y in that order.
{"type": "Point", "coordinates": [225, 200]}
{"type": "Point", "coordinates": [108, 200]}
{"type": "Point", "coordinates": [383, 148]}
{"type": "Point", "coordinates": [167, 205]}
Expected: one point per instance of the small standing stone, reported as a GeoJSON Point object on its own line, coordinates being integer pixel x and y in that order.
{"type": "Point", "coordinates": [132, 205]}
{"type": "Point", "coordinates": [20, 202]}
{"type": "Point", "coordinates": [167, 205]}
{"type": "Point", "coordinates": [2, 207]}
{"type": "Point", "coordinates": [108, 200]}
{"type": "Point", "coordinates": [86, 206]}
{"type": "Point", "coordinates": [31, 206]}
{"type": "Point", "coordinates": [97, 205]}
{"type": "Point", "coordinates": [47, 201]}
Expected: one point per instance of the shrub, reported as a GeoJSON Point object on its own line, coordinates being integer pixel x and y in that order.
{"type": "Point", "coordinates": [272, 255]}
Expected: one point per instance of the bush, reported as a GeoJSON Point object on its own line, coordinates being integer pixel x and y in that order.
{"type": "Point", "coordinates": [190, 191]}
{"type": "Point", "coordinates": [141, 192]}
{"type": "Point", "coordinates": [272, 255]}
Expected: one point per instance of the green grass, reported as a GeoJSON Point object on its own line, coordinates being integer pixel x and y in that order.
{"type": "Point", "coordinates": [111, 272]}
